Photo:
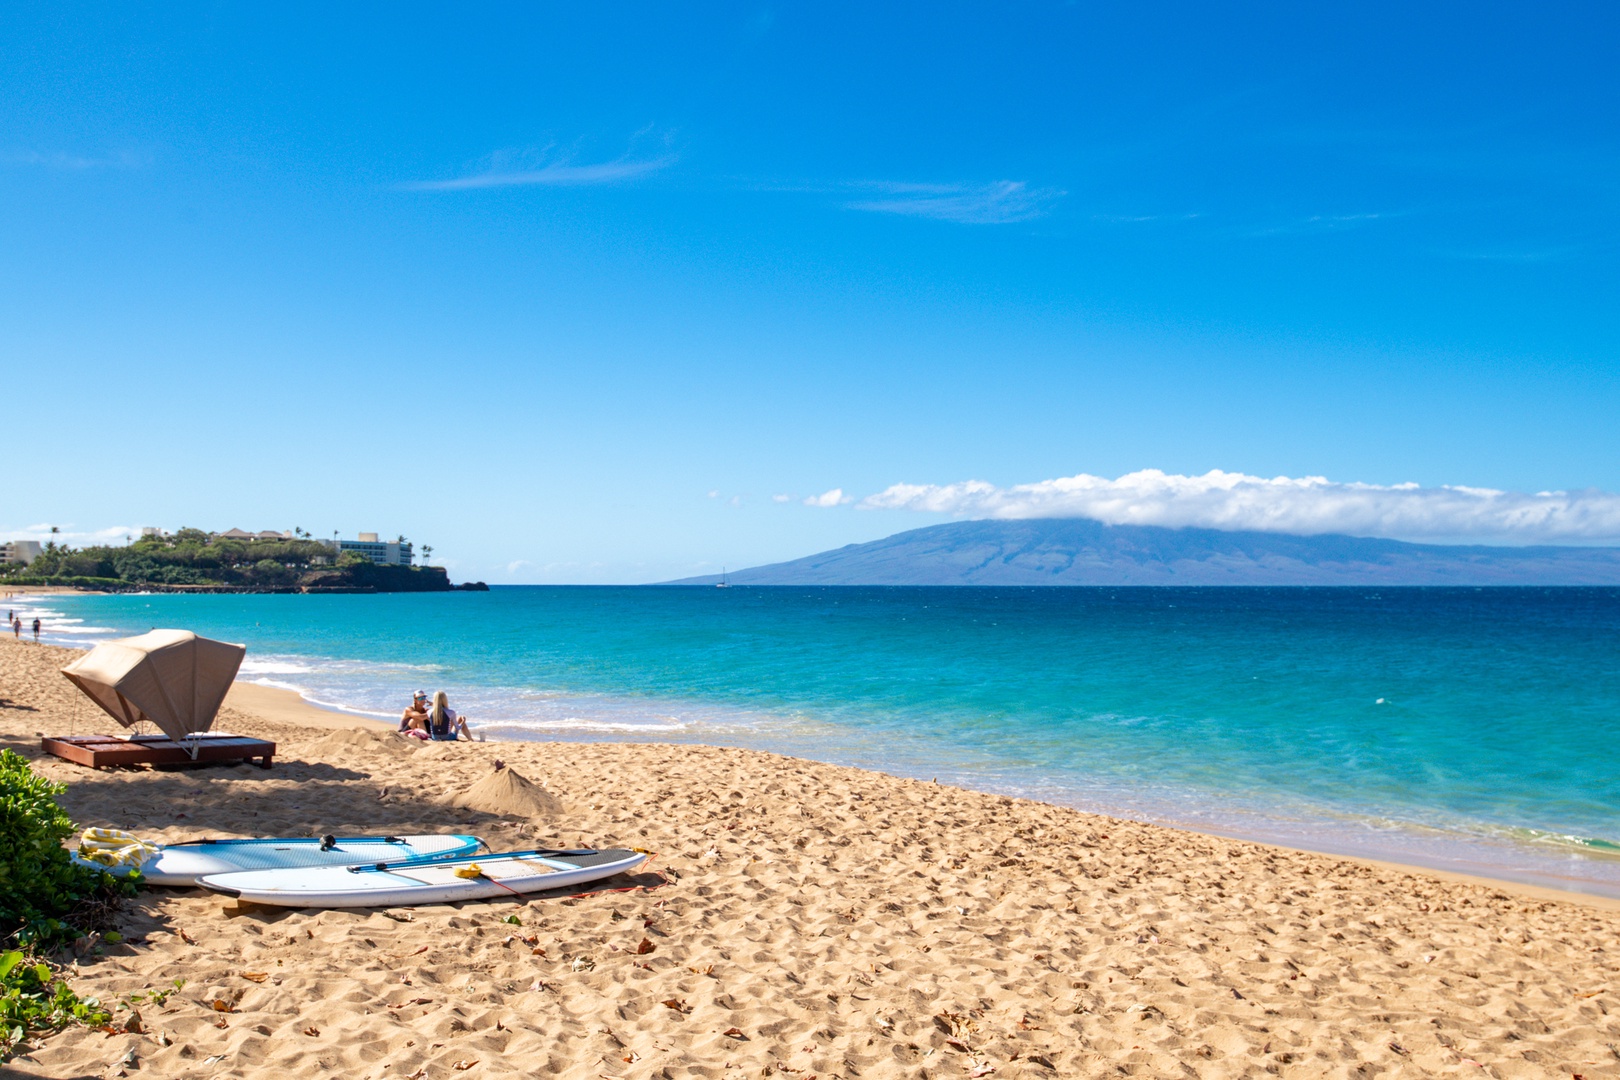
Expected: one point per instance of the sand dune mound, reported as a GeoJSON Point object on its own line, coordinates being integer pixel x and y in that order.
{"type": "Point", "coordinates": [510, 794]}
{"type": "Point", "coordinates": [348, 740]}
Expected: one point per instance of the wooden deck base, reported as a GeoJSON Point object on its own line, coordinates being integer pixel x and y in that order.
{"type": "Point", "coordinates": [101, 751]}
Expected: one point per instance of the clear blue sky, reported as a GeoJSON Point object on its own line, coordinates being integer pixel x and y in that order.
{"type": "Point", "coordinates": [530, 283]}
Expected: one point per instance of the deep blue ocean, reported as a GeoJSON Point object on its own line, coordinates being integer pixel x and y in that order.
{"type": "Point", "coordinates": [1468, 729]}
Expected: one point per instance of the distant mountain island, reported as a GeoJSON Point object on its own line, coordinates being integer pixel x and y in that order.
{"type": "Point", "coordinates": [1072, 551]}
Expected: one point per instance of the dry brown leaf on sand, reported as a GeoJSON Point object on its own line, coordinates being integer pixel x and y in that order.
{"type": "Point", "coordinates": [221, 1005]}
{"type": "Point", "coordinates": [645, 947]}
{"type": "Point", "coordinates": [312, 1031]}
{"type": "Point", "coordinates": [187, 938]}
{"type": "Point", "coordinates": [735, 1033]}
{"type": "Point", "coordinates": [678, 1004]}
{"type": "Point", "coordinates": [255, 976]}
{"type": "Point", "coordinates": [464, 1064]}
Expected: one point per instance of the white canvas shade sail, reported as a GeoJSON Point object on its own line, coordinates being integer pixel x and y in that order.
{"type": "Point", "coordinates": [172, 678]}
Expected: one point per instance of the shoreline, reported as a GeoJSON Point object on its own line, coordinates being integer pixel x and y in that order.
{"type": "Point", "coordinates": [288, 706]}
{"type": "Point", "coordinates": [1398, 825]}
{"type": "Point", "coordinates": [839, 922]}
{"type": "Point", "coordinates": [279, 704]}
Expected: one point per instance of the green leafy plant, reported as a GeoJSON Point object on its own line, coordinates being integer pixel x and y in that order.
{"type": "Point", "coordinates": [41, 886]}
{"type": "Point", "coordinates": [46, 900]}
{"type": "Point", "coordinates": [156, 997]}
{"type": "Point", "coordinates": [33, 998]}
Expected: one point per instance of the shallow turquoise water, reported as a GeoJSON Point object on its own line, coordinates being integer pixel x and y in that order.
{"type": "Point", "coordinates": [1474, 729]}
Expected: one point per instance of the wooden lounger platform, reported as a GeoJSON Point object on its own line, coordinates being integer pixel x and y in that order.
{"type": "Point", "coordinates": [100, 751]}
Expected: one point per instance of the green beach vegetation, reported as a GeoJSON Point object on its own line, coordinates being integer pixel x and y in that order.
{"type": "Point", "coordinates": [191, 558]}
{"type": "Point", "coordinates": [47, 901]}
{"type": "Point", "coordinates": [188, 557]}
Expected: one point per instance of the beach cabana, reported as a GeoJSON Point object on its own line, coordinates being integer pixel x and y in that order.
{"type": "Point", "coordinates": [173, 679]}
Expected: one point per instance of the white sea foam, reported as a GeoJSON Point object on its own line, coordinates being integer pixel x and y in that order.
{"type": "Point", "coordinates": [274, 667]}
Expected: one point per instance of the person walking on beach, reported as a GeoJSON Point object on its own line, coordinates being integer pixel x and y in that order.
{"type": "Point", "coordinates": [36, 630]}
{"type": "Point", "coordinates": [444, 723]}
{"type": "Point", "coordinates": [16, 626]}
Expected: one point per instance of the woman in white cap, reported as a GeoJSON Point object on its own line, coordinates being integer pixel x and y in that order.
{"type": "Point", "coordinates": [413, 722]}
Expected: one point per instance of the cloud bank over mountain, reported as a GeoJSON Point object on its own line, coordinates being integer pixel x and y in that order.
{"type": "Point", "coordinates": [1304, 506]}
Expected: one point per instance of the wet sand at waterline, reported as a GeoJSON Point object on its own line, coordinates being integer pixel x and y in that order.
{"type": "Point", "coordinates": [818, 921]}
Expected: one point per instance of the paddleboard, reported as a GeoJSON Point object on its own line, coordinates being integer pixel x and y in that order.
{"type": "Point", "coordinates": [426, 881]}
{"type": "Point", "coordinates": [185, 864]}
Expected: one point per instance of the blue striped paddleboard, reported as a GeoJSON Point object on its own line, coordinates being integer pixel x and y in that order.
{"type": "Point", "coordinates": [187, 863]}
{"type": "Point", "coordinates": [405, 883]}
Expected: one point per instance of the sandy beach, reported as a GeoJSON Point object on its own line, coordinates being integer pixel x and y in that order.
{"type": "Point", "coordinates": [816, 921]}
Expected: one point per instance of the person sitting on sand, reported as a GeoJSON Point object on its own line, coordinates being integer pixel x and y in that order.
{"type": "Point", "coordinates": [444, 723]}
{"type": "Point", "coordinates": [414, 720]}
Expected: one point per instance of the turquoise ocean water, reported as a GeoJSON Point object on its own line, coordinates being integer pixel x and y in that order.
{"type": "Point", "coordinates": [1468, 729]}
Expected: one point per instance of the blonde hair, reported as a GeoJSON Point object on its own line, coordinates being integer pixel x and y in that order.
{"type": "Point", "coordinates": [441, 702]}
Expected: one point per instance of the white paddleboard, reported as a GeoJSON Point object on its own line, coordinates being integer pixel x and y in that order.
{"type": "Point", "coordinates": [425, 881]}
{"type": "Point", "coordinates": [185, 864]}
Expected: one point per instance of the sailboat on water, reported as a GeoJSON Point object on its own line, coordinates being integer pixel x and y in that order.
{"type": "Point", "coordinates": [722, 583]}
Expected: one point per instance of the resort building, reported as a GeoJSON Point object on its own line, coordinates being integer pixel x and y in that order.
{"type": "Point", "coordinates": [19, 551]}
{"type": "Point", "coordinates": [386, 552]}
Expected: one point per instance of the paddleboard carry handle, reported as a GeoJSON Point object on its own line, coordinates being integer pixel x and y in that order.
{"type": "Point", "coordinates": [328, 842]}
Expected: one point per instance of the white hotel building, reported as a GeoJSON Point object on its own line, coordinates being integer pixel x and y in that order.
{"type": "Point", "coordinates": [385, 552]}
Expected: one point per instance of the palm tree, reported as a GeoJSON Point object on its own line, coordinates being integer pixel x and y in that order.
{"type": "Point", "coordinates": [427, 553]}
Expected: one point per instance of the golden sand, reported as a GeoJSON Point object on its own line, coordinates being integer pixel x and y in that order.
{"type": "Point", "coordinates": [820, 921]}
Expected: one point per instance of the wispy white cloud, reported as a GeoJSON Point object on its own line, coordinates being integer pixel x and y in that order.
{"type": "Point", "coordinates": [546, 166]}
{"type": "Point", "coordinates": [1304, 505]}
{"type": "Point", "coordinates": [1327, 223]}
{"type": "Point", "coordinates": [781, 498]}
{"type": "Point", "coordinates": [70, 535]}
{"type": "Point", "coordinates": [835, 497]}
{"type": "Point", "coordinates": [558, 175]}
{"type": "Point", "coordinates": [999, 203]}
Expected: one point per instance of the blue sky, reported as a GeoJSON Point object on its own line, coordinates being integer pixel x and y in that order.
{"type": "Point", "coordinates": [582, 294]}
